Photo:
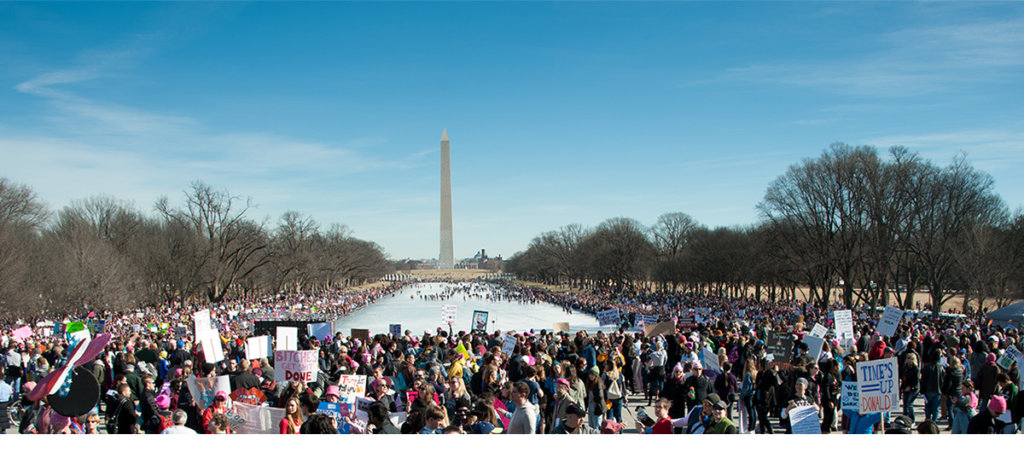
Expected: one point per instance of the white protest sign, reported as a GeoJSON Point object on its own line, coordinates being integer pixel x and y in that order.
{"type": "Point", "coordinates": [213, 351]}
{"type": "Point", "coordinates": [203, 323]}
{"type": "Point", "coordinates": [448, 314]}
{"type": "Point", "coordinates": [1010, 356]}
{"type": "Point", "coordinates": [608, 317]}
{"type": "Point", "coordinates": [849, 399]}
{"type": "Point", "coordinates": [819, 331]}
{"type": "Point", "coordinates": [844, 327]}
{"type": "Point", "coordinates": [509, 345]}
{"type": "Point", "coordinates": [290, 365]}
{"type": "Point", "coordinates": [287, 338]}
{"type": "Point", "coordinates": [878, 386]}
{"type": "Point", "coordinates": [814, 346]}
{"type": "Point", "coordinates": [251, 419]}
{"type": "Point", "coordinates": [890, 321]}
{"type": "Point", "coordinates": [350, 387]}
{"type": "Point", "coordinates": [395, 329]}
{"type": "Point", "coordinates": [205, 389]}
{"type": "Point", "coordinates": [710, 359]}
{"type": "Point", "coordinates": [804, 421]}
{"type": "Point", "coordinates": [257, 347]}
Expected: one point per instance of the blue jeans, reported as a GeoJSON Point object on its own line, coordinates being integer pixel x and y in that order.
{"type": "Point", "coordinates": [931, 406]}
{"type": "Point", "coordinates": [616, 411]}
{"type": "Point", "coordinates": [908, 403]}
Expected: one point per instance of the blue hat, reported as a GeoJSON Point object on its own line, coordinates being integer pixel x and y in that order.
{"type": "Point", "coordinates": [482, 428]}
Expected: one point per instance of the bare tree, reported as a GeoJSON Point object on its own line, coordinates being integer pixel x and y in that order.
{"type": "Point", "coordinates": [21, 215]}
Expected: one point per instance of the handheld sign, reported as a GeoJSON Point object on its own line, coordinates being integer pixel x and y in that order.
{"type": "Point", "coordinates": [204, 389]}
{"type": "Point", "coordinates": [480, 321]}
{"type": "Point", "coordinates": [655, 329]}
{"type": "Point", "coordinates": [814, 346]}
{"type": "Point", "coordinates": [1010, 356]}
{"type": "Point", "coordinates": [561, 326]}
{"type": "Point", "coordinates": [331, 409]}
{"type": "Point", "coordinates": [257, 347]}
{"type": "Point", "coordinates": [253, 419]}
{"type": "Point", "coordinates": [819, 331]}
{"type": "Point", "coordinates": [213, 352]}
{"type": "Point", "coordinates": [780, 346]}
{"type": "Point", "coordinates": [878, 386]}
{"type": "Point", "coordinates": [290, 365]}
{"type": "Point", "coordinates": [319, 330]}
{"type": "Point", "coordinates": [448, 314]}
{"type": "Point", "coordinates": [202, 321]}
{"type": "Point", "coordinates": [804, 421]}
{"type": "Point", "coordinates": [22, 333]}
{"type": "Point", "coordinates": [509, 345]}
{"type": "Point", "coordinates": [362, 334]}
{"type": "Point", "coordinates": [844, 327]}
{"type": "Point", "coordinates": [608, 317]}
{"type": "Point", "coordinates": [395, 329]}
{"type": "Point", "coordinates": [890, 321]}
{"type": "Point", "coordinates": [849, 399]}
{"type": "Point", "coordinates": [350, 387]}
{"type": "Point", "coordinates": [287, 338]}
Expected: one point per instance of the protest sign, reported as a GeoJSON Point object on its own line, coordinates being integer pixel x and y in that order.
{"type": "Point", "coordinates": [844, 327]}
{"type": "Point", "coordinates": [448, 314]}
{"type": "Point", "coordinates": [204, 389]}
{"type": "Point", "coordinates": [249, 419]}
{"type": "Point", "coordinates": [22, 333]}
{"type": "Point", "coordinates": [561, 326]}
{"type": "Point", "coordinates": [608, 317]}
{"type": "Point", "coordinates": [660, 328]}
{"type": "Point", "coordinates": [780, 346]}
{"type": "Point", "coordinates": [814, 345]}
{"type": "Point", "coordinates": [480, 321]}
{"type": "Point", "coordinates": [257, 347]}
{"type": "Point", "coordinates": [75, 327]}
{"type": "Point", "coordinates": [350, 387]}
{"type": "Point", "coordinates": [290, 365]}
{"type": "Point", "coordinates": [819, 331]}
{"type": "Point", "coordinates": [213, 351]}
{"type": "Point", "coordinates": [462, 349]}
{"type": "Point", "coordinates": [646, 320]}
{"type": "Point", "coordinates": [878, 386]}
{"type": "Point", "coordinates": [251, 396]}
{"type": "Point", "coordinates": [361, 334]}
{"type": "Point", "coordinates": [741, 313]}
{"type": "Point", "coordinates": [804, 421]}
{"type": "Point", "coordinates": [509, 345]}
{"type": "Point", "coordinates": [319, 330]}
{"type": "Point", "coordinates": [849, 399]}
{"type": "Point", "coordinates": [287, 338]}
{"type": "Point", "coordinates": [687, 321]}
{"type": "Point", "coordinates": [710, 360]}
{"type": "Point", "coordinates": [1010, 356]}
{"type": "Point", "coordinates": [333, 410]}
{"type": "Point", "coordinates": [202, 322]}
{"type": "Point", "coordinates": [889, 321]}
{"type": "Point", "coordinates": [395, 329]}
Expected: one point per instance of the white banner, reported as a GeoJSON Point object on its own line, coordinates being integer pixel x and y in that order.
{"type": "Point", "coordinates": [609, 317]}
{"type": "Point", "coordinates": [249, 419]}
{"type": "Point", "coordinates": [804, 421]}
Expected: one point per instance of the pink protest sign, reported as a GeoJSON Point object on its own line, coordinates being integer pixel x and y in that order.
{"type": "Point", "coordinates": [22, 333]}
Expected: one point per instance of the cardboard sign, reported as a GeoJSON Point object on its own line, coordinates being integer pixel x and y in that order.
{"type": "Point", "coordinates": [213, 352]}
{"type": "Point", "coordinates": [448, 314]}
{"type": "Point", "coordinates": [878, 386]}
{"type": "Point", "coordinates": [287, 338]}
{"type": "Point", "coordinates": [646, 320]}
{"type": "Point", "coordinates": [202, 322]}
{"type": "Point", "coordinates": [257, 347]}
{"type": "Point", "coordinates": [889, 321]}
{"type": "Point", "coordinates": [804, 421]}
{"type": "Point", "coordinates": [664, 328]}
{"type": "Point", "coordinates": [509, 345]}
{"type": "Point", "coordinates": [819, 331]}
{"type": "Point", "coordinates": [360, 334]}
{"type": "Point", "coordinates": [849, 398]}
{"type": "Point", "coordinates": [844, 327]}
{"type": "Point", "coordinates": [249, 419]}
{"type": "Point", "coordinates": [1010, 356]}
{"type": "Point", "coordinates": [204, 389]}
{"type": "Point", "coordinates": [608, 317]}
{"type": "Point", "coordinates": [290, 365]}
{"type": "Point", "coordinates": [561, 326]}
{"type": "Point", "coordinates": [22, 333]}
{"type": "Point", "coordinates": [319, 330]}
{"type": "Point", "coordinates": [350, 387]}
{"type": "Point", "coordinates": [480, 321]}
{"type": "Point", "coordinates": [395, 329]}
{"type": "Point", "coordinates": [814, 346]}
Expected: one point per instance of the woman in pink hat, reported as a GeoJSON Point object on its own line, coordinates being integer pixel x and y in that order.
{"type": "Point", "coordinates": [220, 405]}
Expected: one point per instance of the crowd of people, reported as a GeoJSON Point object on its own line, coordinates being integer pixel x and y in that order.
{"type": "Point", "coordinates": [714, 376]}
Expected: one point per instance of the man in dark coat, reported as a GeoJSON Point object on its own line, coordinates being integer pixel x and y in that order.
{"type": "Point", "coordinates": [987, 421]}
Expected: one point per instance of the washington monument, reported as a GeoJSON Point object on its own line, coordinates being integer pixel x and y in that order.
{"type": "Point", "coordinates": [447, 259]}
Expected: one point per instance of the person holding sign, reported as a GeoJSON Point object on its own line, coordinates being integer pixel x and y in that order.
{"type": "Point", "coordinates": [219, 406]}
{"type": "Point", "coordinates": [799, 399]}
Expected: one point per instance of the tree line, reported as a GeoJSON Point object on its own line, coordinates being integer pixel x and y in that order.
{"type": "Point", "coordinates": [104, 254]}
{"type": "Point", "coordinates": [869, 226]}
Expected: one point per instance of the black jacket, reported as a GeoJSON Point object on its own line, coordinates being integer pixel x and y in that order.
{"type": "Point", "coordinates": [983, 423]}
{"type": "Point", "coordinates": [932, 378]}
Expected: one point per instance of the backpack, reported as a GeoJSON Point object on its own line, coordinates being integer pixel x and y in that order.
{"type": "Point", "coordinates": [165, 423]}
{"type": "Point", "coordinates": [112, 420]}
{"type": "Point", "coordinates": [614, 390]}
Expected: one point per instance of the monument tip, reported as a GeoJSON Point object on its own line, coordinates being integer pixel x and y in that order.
{"type": "Point", "coordinates": [444, 135]}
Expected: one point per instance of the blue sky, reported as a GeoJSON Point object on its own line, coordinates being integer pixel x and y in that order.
{"type": "Point", "coordinates": [558, 113]}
